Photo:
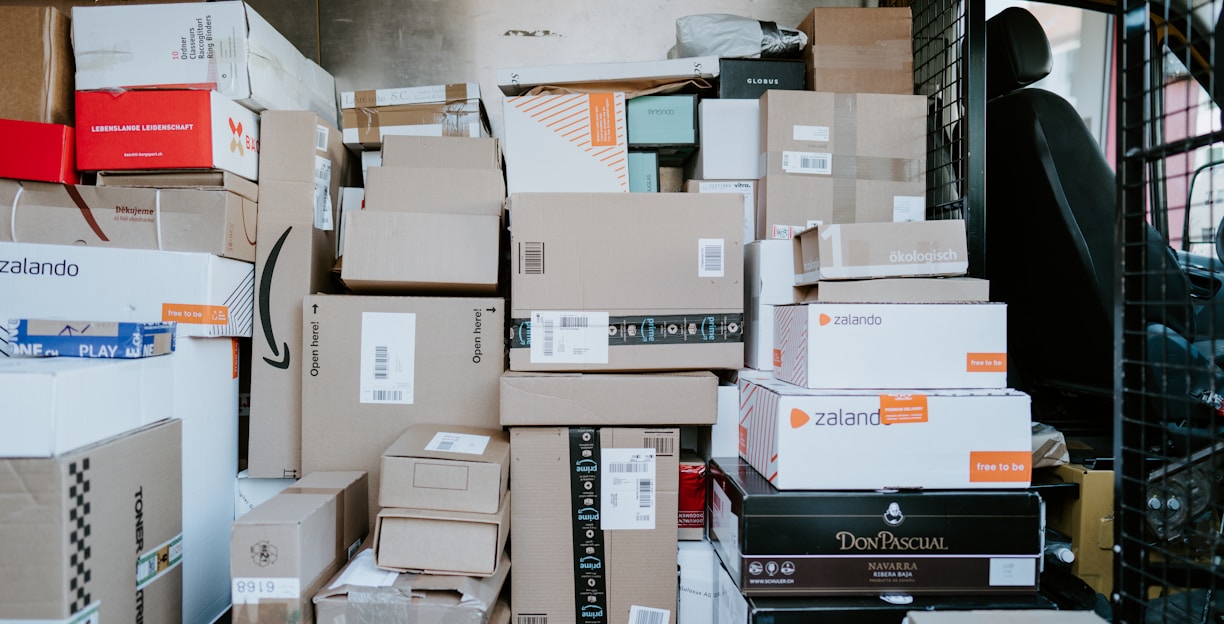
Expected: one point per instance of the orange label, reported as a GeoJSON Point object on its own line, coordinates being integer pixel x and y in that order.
{"type": "Point", "coordinates": [603, 119]}
{"type": "Point", "coordinates": [237, 356]}
{"type": "Point", "coordinates": [986, 362]}
{"type": "Point", "coordinates": [903, 408]}
{"type": "Point", "coordinates": [743, 440]}
{"type": "Point", "coordinates": [777, 358]}
{"type": "Point", "coordinates": [195, 314]}
{"type": "Point", "coordinates": [799, 418]}
{"type": "Point", "coordinates": [1000, 466]}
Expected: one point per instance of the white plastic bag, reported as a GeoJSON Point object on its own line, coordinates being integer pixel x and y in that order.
{"type": "Point", "coordinates": [733, 36]}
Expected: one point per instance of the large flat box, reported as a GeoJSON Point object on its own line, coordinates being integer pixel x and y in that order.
{"type": "Point", "coordinates": [421, 253]}
{"type": "Point", "coordinates": [746, 188]}
{"type": "Point", "coordinates": [446, 468]}
{"type": "Point", "coordinates": [442, 542]}
{"type": "Point", "coordinates": [917, 345]}
{"type": "Point", "coordinates": [898, 290]}
{"type": "Point", "coordinates": [95, 535]}
{"type": "Point", "coordinates": [367, 128]}
{"type": "Point", "coordinates": [206, 295]}
{"type": "Point", "coordinates": [351, 488]}
{"type": "Point", "coordinates": [302, 166]}
{"type": "Point", "coordinates": [36, 43]}
{"type": "Point", "coordinates": [216, 222]}
{"type": "Point", "coordinates": [222, 46]}
{"type": "Point", "coordinates": [517, 80]}
{"type": "Point", "coordinates": [698, 602]}
{"type": "Point", "coordinates": [353, 407]}
{"type": "Point", "coordinates": [875, 250]}
{"type": "Point", "coordinates": [165, 130]}
{"type": "Point", "coordinates": [749, 78]}
{"type": "Point", "coordinates": [90, 339]}
{"type": "Point", "coordinates": [1089, 521]}
{"type": "Point", "coordinates": [669, 296]}
{"type": "Point", "coordinates": [594, 524]}
{"type": "Point", "coordinates": [428, 94]}
{"type": "Point", "coordinates": [1013, 616]}
{"type": "Point", "coordinates": [441, 152]}
{"type": "Point", "coordinates": [857, 50]}
{"type": "Point", "coordinates": [172, 179]}
{"type": "Point", "coordinates": [435, 189]}
{"type": "Point", "coordinates": [608, 399]}
{"type": "Point", "coordinates": [566, 143]}
{"type": "Point", "coordinates": [777, 543]}
{"type": "Point", "coordinates": [840, 158]}
{"type": "Point", "coordinates": [47, 154]}
{"type": "Point", "coordinates": [730, 140]}
{"type": "Point", "coordinates": [803, 439]}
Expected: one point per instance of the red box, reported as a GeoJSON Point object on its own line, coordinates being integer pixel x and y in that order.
{"type": "Point", "coordinates": [38, 151]}
{"type": "Point", "coordinates": [691, 518]}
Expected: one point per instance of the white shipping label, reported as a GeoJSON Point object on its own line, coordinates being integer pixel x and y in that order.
{"type": "Point", "coordinates": [322, 186]}
{"type": "Point", "coordinates": [569, 337]}
{"type": "Point", "coordinates": [627, 489]}
{"type": "Point", "coordinates": [819, 163]}
{"type": "Point", "coordinates": [810, 133]}
{"type": "Point", "coordinates": [909, 208]}
{"type": "Point", "coordinates": [647, 615]}
{"type": "Point", "coordinates": [388, 357]}
{"type": "Point", "coordinates": [249, 589]}
{"type": "Point", "coordinates": [1012, 572]}
{"type": "Point", "coordinates": [321, 136]}
{"type": "Point", "coordinates": [711, 254]}
{"type": "Point", "coordinates": [458, 443]}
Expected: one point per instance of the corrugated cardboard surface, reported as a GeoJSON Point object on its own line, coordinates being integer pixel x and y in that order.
{"type": "Point", "coordinates": [873, 250]}
{"type": "Point", "coordinates": [166, 179]}
{"type": "Point", "coordinates": [898, 290]}
{"type": "Point", "coordinates": [419, 253]}
{"type": "Point", "coordinates": [47, 154]}
{"type": "Point", "coordinates": [366, 128]}
{"type": "Point", "coordinates": [1089, 520]}
{"type": "Point", "coordinates": [352, 491]}
{"type": "Point", "coordinates": [74, 525]}
{"type": "Point", "coordinates": [450, 190]}
{"type": "Point", "coordinates": [639, 565]}
{"type": "Point", "coordinates": [418, 477]}
{"type": "Point", "coordinates": [857, 50]}
{"type": "Point", "coordinates": [424, 151]}
{"type": "Point", "coordinates": [603, 400]}
{"type": "Point", "coordinates": [35, 43]}
{"type": "Point", "coordinates": [455, 362]}
{"type": "Point", "coordinates": [441, 542]}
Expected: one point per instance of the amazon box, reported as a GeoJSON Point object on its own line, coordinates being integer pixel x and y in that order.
{"type": "Point", "coordinates": [608, 399]}
{"type": "Point", "coordinates": [36, 43]}
{"type": "Point", "coordinates": [47, 154]}
{"type": "Point", "coordinates": [442, 542]}
{"type": "Point", "coordinates": [858, 50]}
{"type": "Point", "coordinates": [873, 250]}
{"type": "Point", "coordinates": [447, 468]}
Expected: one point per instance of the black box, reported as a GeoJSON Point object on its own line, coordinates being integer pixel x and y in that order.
{"type": "Point", "coordinates": [809, 543]}
{"type": "Point", "coordinates": [861, 609]}
{"type": "Point", "coordinates": [748, 79]}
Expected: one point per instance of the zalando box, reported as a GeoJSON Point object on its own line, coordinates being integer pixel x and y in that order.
{"type": "Point", "coordinates": [891, 345]}
{"type": "Point", "coordinates": [874, 250]}
{"type": "Point", "coordinates": [446, 467]}
{"type": "Point", "coordinates": [165, 130]}
{"type": "Point", "coordinates": [802, 439]}
{"type": "Point", "coordinates": [566, 143]}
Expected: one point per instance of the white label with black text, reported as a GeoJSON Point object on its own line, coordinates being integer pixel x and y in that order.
{"type": "Point", "coordinates": [321, 135]}
{"type": "Point", "coordinates": [627, 489]}
{"type": "Point", "coordinates": [1012, 572]}
{"type": "Point", "coordinates": [810, 133]}
{"type": "Point", "coordinates": [322, 188]}
{"type": "Point", "coordinates": [246, 589]}
{"type": "Point", "coordinates": [388, 357]}
{"type": "Point", "coordinates": [647, 615]}
{"type": "Point", "coordinates": [711, 255]}
{"type": "Point", "coordinates": [819, 163]}
{"type": "Point", "coordinates": [468, 443]}
{"type": "Point", "coordinates": [569, 337]}
{"type": "Point", "coordinates": [909, 208]}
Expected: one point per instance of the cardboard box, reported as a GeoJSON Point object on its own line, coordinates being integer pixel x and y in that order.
{"type": "Point", "coordinates": [352, 199]}
{"type": "Point", "coordinates": [421, 253]}
{"type": "Point", "coordinates": [224, 46]}
{"type": "Point", "coordinates": [730, 140]}
{"type": "Point", "coordinates": [441, 152]}
{"type": "Point", "coordinates": [603, 556]}
{"type": "Point", "coordinates": [165, 130]}
{"type": "Point", "coordinates": [691, 517]}
{"type": "Point", "coordinates": [351, 489]}
{"type": "Point", "coordinates": [367, 128]}
{"type": "Point", "coordinates": [899, 290]}
{"type": "Point", "coordinates": [216, 222]}
{"type": "Point", "coordinates": [441, 542]}
{"type": "Point", "coordinates": [671, 179]}
{"type": "Point", "coordinates": [172, 179]}
{"type": "Point", "coordinates": [670, 295]}
{"type": "Point", "coordinates": [923, 345]}
{"type": "Point", "coordinates": [777, 543]}
{"type": "Point", "coordinates": [748, 78]}
{"type": "Point", "coordinates": [204, 294]}
{"type": "Point", "coordinates": [47, 154]}
{"type": "Point", "coordinates": [939, 439]}
{"type": "Point", "coordinates": [433, 345]}
{"type": "Point", "coordinates": [698, 583]}
{"type": "Point", "coordinates": [871, 250]}
{"type": "Point", "coordinates": [1004, 617]}
{"type": "Point", "coordinates": [370, 158]}
{"type": "Point", "coordinates": [643, 172]}
{"type": "Point", "coordinates": [566, 143]}
{"type": "Point", "coordinates": [517, 80]}
{"type": "Point", "coordinates": [446, 468]}
{"type": "Point", "coordinates": [300, 172]}
{"type": "Point", "coordinates": [430, 94]}
{"type": "Point", "coordinates": [250, 492]}
{"type": "Point", "coordinates": [840, 158]}
{"type": "Point", "coordinates": [435, 190]}
{"type": "Point", "coordinates": [769, 282]}
{"type": "Point", "coordinates": [36, 43]}
{"type": "Point", "coordinates": [666, 123]}
{"type": "Point", "coordinates": [607, 400]}
{"type": "Point", "coordinates": [89, 339]}
{"type": "Point", "coordinates": [1089, 520]}
{"type": "Point", "coordinates": [747, 188]}
{"type": "Point", "coordinates": [852, 50]}
{"type": "Point", "coordinates": [95, 534]}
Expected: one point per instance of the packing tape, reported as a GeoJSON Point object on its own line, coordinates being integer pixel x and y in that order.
{"type": "Point", "coordinates": [13, 212]}
{"type": "Point", "coordinates": [845, 179]}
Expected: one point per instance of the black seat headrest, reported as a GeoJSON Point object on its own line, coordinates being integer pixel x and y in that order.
{"type": "Point", "coordinates": [1017, 52]}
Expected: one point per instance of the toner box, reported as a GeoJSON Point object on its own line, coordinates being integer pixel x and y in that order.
{"type": "Point", "coordinates": [38, 151]}
{"type": "Point", "coordinates": [803, 439]}
{"type": "Point", "coordinates": [566, 143]}
{"type": "Point", "coordinates": [91, 339]}
{"type": "Point", "coordinates": [874, 250]}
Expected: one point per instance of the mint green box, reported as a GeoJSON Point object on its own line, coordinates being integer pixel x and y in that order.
{"type": "Point", "coordinates": [662, 120]}
{"type": "Point", "coordinates": [643, 172]}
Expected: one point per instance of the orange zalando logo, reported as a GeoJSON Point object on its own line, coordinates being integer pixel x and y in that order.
{"type": "Point", "coordinates": [825, 320]}
{"type": "Point", "coordinates": [799, 418]}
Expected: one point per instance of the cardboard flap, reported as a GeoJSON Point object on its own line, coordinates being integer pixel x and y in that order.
{"type": "Point", "coordinates": [418, 441]}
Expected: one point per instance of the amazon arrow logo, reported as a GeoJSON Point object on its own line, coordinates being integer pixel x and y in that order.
{"type": "Point", "coordinates": [265, 301]}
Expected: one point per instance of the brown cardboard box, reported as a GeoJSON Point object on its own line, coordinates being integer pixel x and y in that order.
{"type": "Point", "coordinates": [626, 281]}
{"type": "Point", "coordinates": [441, 542]}
{"type": "Point", "coordinates": [435, 189]}
{"type": "Point", "coordinates": [364, 128]}
{"type": "Point", "coordinates": [36, 45]}
{"type": "Point", "coordinates": [875, 250]}
{"type": "Point", "coordinates": [444, 152]}
{"type": "Point", "coordinates": [1089, 520]}
{"type": "Point", "coordinates": [446, 467]}
{"type": "Point", "coordinates": [352, 491]}
{"type": "Point", "coordinates": [421, 253]}
{"type": "Point", "coordinates": [578, 551]}
{"type": "Point", "coordinates": [609, 399]}
{"type": "Point", "coordinates": [294, 259]}
{"type": "Point", "coordinates": [171, 178]}
{"type": "Point", "coordinates": [216, 222]}
{"type": "Point", "coordinates": [444, 356]}
{"type": "Point", "coordinates": [95, 534]}
{"type": "Point", "coordinates": [897, 290]}
{"type": "Point", "coordinates": [840, 158]}
{"type": "Point", "coordinates": [859, 50]}
{"type": "Point", "coordinates": [281, 553]}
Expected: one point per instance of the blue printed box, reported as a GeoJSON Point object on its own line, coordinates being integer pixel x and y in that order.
{"type": "Point", "coordinates": [90, 339]}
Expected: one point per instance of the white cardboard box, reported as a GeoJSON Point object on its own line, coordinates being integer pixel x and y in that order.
{"type": "Point", "coordinates": [698, 583]}
{"type": "Point", "coordinates": [891, 345]}
{"type": "Point", "coordinates": [730, 133]}
{"type": "Point", "coordinates": [759, 336]}
{"type": "Point", "coordinates": [803, 439]}
{"type": "Point", "coordinates": [769, 281]}
{"type": "Point", "coordinates": [566, 143]}
{"type": "Point", "coordinates": [516, 80]}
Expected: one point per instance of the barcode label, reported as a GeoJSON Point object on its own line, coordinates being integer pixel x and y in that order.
{"type": "Point", "coordinates": [322, 194]}
{"type": "Point", "coordinates": [569, 320]}
{"type": "Point", "coordinates": [549, 337]}
{"type": "Point", "coordinates": [468, 443]}
{"type": "Point", "coordinates": [627, 488]}
{"type": "Point", "coordinates": [381, 360]}
{"type": "Point", "coordinates": [634, 467]}
{"type": "Point", "coordinates": [710, 257]}
{"type": "Point", "coordinates": [662, 446]}
{"type": "Point", "coordinates": [531, 619]}
{"type": "Point", "coordinates": [647, 615]}
{"type": "Point", "coordinates": [157, 562]}
{"type": "Point", "coordinates": [569, 337]}
{"type": "Point", "coordinates": [388, 396]}
{"type": "Point", "coordinates": [807, 162]}
{"type": "Point", "coordinates": [388, 358]}
{"type": "Point", "coordinates": [533, 258]}
{"type": "Point", "coordinates": [646, 493]}
{"type": "Point", "coordinates": [321, 137]}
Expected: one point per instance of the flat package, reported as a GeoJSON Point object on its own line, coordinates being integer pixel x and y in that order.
{"type": "Point", "coordinates": [203, 180]}
{"type": "Point", "coordinates": [608, 399]}
{"type": "Point", "coordinates": [36, 43]}
{"type": "Point", "coordinates": [748, 78]}
{"type": "Point", "coordinates": [446, 467]}
{"type": "Point", "coordinates": [859, 50]}
{"type": "Point", "coordinates": [874, 250]}
{"type": "Point", "coordinates": [566, 143]}
{"type": "Point", "coordinates": [368, 128]}
{"type": "Point", "coordinates": [393, 96]}
{"type": "Point", "coordinates": [47, 154]}
{"type": "Point", "coordinates": [442, 542]}
{"type": "Point", "coordinates": [91, 339]}
{"type": "Point", "coordinates": [518, 80]}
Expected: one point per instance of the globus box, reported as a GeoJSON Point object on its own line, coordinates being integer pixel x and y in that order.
{"type": "Point", "coordinates": [219, 46]}
{"type": "Point", "coordinates": [608, 399]}
{"type": "Point", "coordinates": [802, 439]}
{"type": "Point", "coordinates": [750, 78]}
{"type": "Point", "coordinates": [850, 50]}
{"type": "Point", "coordinates": [669, 269]}
{"type": "Point", "coordinates": [566, 143]}
{"type": "Point", "coordinates": [95, 534]}
{"type": "Point", "coordinates": [641, 74]}
{"type": "Point", "coordinates": [442, 542]}
{"type": "Point", "coordinates": [876, 250]}
{"type": "Point", "coordinates": [594, 524]}
{"type": "Point", "coordinates": [36, 43]}
{"type": "Point", "coordinates": [90, 339]}
{"type": "Point", "coordinates": [47, 154]}
{"type": "Point", "coordinates": [446, 467]}
{"type": "Point", "coordinates": [917, 345]}
{"type": "Point", "coordinates": [165, 130]}
{"type": "Point", "coordinates": [958, 543]}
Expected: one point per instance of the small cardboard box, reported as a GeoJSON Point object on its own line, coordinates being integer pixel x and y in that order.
{"type": "Point", "coordinates": [441, 542]}
{"type": "Point", "coordinates": [730, 140]}
{"type": "Point", "coordinates": [95, 533]}
{"type": "Point", "coordinates": [691, 515]}
{"type": "Point", "coordinates": [923, 345]}
{"type": "Point", "coordinates": [447, 468]}
{"type": "Point", "coordinates": [566, 143]}
{"type": "Point", "coordinates": [747, 188]}
{"type": "Point", "coordinates": [643, 172]}
{"type": "Point", "coordinates": [367, 128]}
{"type": "Point", "coordinates": [450, 190]}
{"type": "Point", "coordinates": [898, 290]}
{"type": "Point", "coordinates": [517, 80]}
{"type": "Point", "coordinates": [871, 250]}
{"type": "Point", "coordinates": [857, 50]}
{"type": "Point", "coordinates": [748, 78]}
{"type": "Point", "coordinates": [47, 154]}
{"type": "Point", "coordinates": [36, 43]}
{"type": "Point", "coordinates": [608, 399]}
{"type": "Point", "coordinates": [351, 488]}
{"type": "Point", "coordinates": [1089, 520]}
{"type": "Point", "coordinates": [441, 152]}
{"type": "Point", "coordinates": [91, 339]}
{"type": "Point", "coordinates": [802, 439]}
{"type": "Point", "coordinates": [430, 94]}
{"type": "Point", "coordinates": [421, 253]}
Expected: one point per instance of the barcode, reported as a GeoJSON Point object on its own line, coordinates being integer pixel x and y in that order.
{"type": "Point", "coordinates": [662, 446]}
{"type": "Point", "coordinates": [570, 320]}
{"type": "Point", "coordinates": [533, 258]}
{"type": "Point", "coordinates": [446, 445]}
{"type": "Point", "coordinates": [712, 258]}
{"type": "Point", "coordinates": [381, 361]}
{"type": "Point", "coordinates": [650, 616]}
{"type": "Point", "coordinates": [321, 138]}
{"type": "Point", "coordinates": [643, 517]}
{"type": "Point", "coordinates": [389, 395]}
{"type": "Point", "coordinates": [645, 493]}
{"type": "Point", "coordinates": [532, 619]}
{"type": "Point", "coordinates": [548, 337]}
{"type": "Point", "coordinates": [629, 467]}
{"type": "Point", "coordinates": [813, 161]}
